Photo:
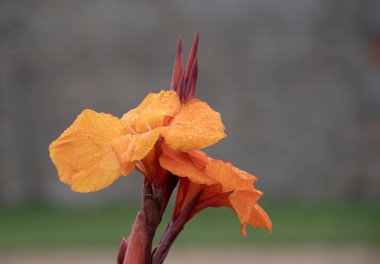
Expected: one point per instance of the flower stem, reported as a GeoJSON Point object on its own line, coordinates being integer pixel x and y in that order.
{"type": "Point", "coordinates": [157, 189]}
{"type": "Point", "coordinates": [143, 230]}
{"type": "Point", "coordinates": [137, 242]}
{"type": "Point", "coordinates": [172, 231]}
{"type": "Point", "coordinates": [155, 199]}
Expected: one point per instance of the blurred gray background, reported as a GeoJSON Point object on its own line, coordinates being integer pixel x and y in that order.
{"type": "Point", "coordinates": [297, 84]}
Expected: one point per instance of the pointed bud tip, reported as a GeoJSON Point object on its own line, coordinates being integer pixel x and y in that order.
{"type": "Point", "coordinates": [179, 46]}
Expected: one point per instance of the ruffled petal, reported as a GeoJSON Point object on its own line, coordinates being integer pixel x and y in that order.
{"type": "Point", "coordinates": [185, 164]}
{"type": "Point", "coordinates": [195, 126]}
{"type": "Point", "coordinates": [152, 111]}
{"type": "Point", "coordinates": [234, 190]}
{"type": "Point", "coordinates": [83, 154]}
{"type": "Point", "coordinates": [242, 202]}
{"type": "Point", "coordinates": [230, 177]}
{"type": "Point", "coordinates": [129, 148]}
{"type": "Point", "coordinates": [243, 197]}
{"type": "Point", "coordinates": [259, 218]}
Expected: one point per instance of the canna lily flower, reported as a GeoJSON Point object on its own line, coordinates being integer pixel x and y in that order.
{"type": "Point", "coordinates": [98, 148]}
{"type": "Point", "coordinates": [162, 138]}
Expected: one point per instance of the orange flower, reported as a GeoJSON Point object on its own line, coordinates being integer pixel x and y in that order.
{"type": "Point", "coordinates": [98, 148]}
{"type": "Point", "coordinates": [162, 138]}
{"type": "Point", "coordinates": [219, 184]}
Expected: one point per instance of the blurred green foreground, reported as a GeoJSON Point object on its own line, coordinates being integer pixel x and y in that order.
{"type": "Point", "coordinates": [38, 227]}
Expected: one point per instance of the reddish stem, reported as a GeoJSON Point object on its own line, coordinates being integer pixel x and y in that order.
{"type": "Point", "coordinates": [138, 242]}
{"type": "Point", "coordinates": [172, 231]}
{"type": "Point", "coordinates": [155, 199]}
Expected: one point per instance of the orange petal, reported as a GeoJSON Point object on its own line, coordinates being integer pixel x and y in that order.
{"type": "Point", "coordinates": [182, 164]}
{"type": "Point", "coordinates": [129, 148]}
{"type": "Point", "coordinates": [230, 177]}
{"type": "Point", "coordinates": [195, 126]}
{"type": "Point", "coordinates": [259, 218]}
{"type": "Point", "coordinates": [242, 202]}
{"type": "Point", "coordinates": [83, 154]}
{"type": "Point", "coordinates": [243, 197]}
{"type": "Point", "coordinates": [152, 111]}
{"type": "Point", "coordinates": [230, 187]}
